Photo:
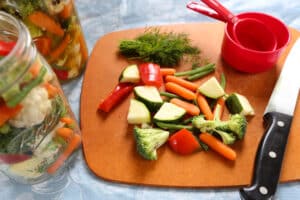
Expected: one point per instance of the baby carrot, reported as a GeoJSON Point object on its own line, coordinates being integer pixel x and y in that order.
{"type": "Point", "coordinates": [184, 83]}
{"type": "Point", "coordinates": [67, 120]}
{"type": "Point", "coordinates": [180, 91]}
{"type": "Point", "coordinates": [73, 144]}
{"type": "Point", "coordinates": [51, 89]}
{"type": "Point", "coordinates": [189, 107]}
{"type": "Point", "coordinates": [204, 107]}
{"type": "Point", "coordinates": [60, 49]}
{"type": "Point", "coordinates": [167, 71]}
{"type": "Point", "coordinates": [65, 133]}
{"type": "Point", "coordinates": [218, 146]}
{"type": "Point", "coordinates": [219, 108]}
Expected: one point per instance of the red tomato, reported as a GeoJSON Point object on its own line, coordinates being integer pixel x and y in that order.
{"type": "Point", "coordinates": [150, 74]}
{"type": "Point", "coordinates": [43, 44]}
{"type": "Point", "coordinates": [183, 142]}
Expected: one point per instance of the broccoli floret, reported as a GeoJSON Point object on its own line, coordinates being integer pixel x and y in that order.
{"type": "Point", "coordinates": [236, 125]}
{"type": "Point", "coordinates": [148, 140]}
{"type": "Point", "coordinates": [227, 138]}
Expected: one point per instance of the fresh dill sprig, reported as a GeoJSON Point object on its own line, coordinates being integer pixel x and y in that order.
{"type": "Point", "coordinates": [163, 48]}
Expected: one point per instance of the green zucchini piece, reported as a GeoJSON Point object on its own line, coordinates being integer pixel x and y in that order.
{"type": "Point", "coordinates": [237, 103]}
{"type": "Point", "coordinates": [169, 112]}
{"type": "Point", "coordinates": [138, 113]}
{"type": "Point", "coordinates": [130, 74]}
{"type": "Point", "coordinates": [211, 88]}
{"type": "Point", "coordinates": [149, 95]}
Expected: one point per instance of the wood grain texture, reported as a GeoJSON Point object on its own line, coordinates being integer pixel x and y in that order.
{"type": "Point", "coordinates": [108, 141]}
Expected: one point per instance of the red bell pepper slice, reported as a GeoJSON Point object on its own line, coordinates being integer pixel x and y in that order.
{"type": "Point", "coordinates": [61, 74]}
{"type": "Point", "coordinates": [116, 96]}
{"type": "Point", "coordinates": [43, 44]}
{"type": "Point", "coordinates": [183, 142]}
{"type": "Point", "coordinates": [13, 158]}
{"type": "Point", "coordinates": [6, 47]}
{"type": "Point", "coordinates": [150, 74]}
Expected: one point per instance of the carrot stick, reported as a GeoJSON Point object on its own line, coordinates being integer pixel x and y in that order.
{"type": "Point", "coordinates": [184, 83]}
{"type": "Point", "coordinates": [51, 89]}
{"type": "Point", "coordinates": [60, 49]}
{"type": "Point", "coordinates": [219, 108]}
{"type": "Point", "coordinates": [218, 146]}
{"type": "Point", "coordinates": [180, 91]}
{"type": "Point", "coordinates": [167, 71]}
{"type": "Point", "coordinates": [67, 120]}
{"type": "Point", "coordinates": [67, 11]}
{"type": "Point", "coordinates": [65, 133]}
{"type": "Point", "coordinates": [204, 107]}
{"type": "Point", "coordinates": [83, 48]}
{"type": "Point", "coordinates": [43, 21]}
{"type": "Point", "coordinates": [188, 107]}
{"type": "Point", "coordinates": [73, 144]}
{"type": "Point", "coordinates": [35, 68]}
{"type": "Point", "coordinates": [7, 113]}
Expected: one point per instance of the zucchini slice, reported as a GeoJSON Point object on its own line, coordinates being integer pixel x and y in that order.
{"type": "Point", "coordinates": [130, 74]}
{"type": "Point", "coordinates": [138, 113]}
{"type": "Point", "coordinates": [211, 88]}
{"type": "Point", "coordinates": [169, 112]}
{"type": "Point", "coordinates": [237, 103]}
{"type": "Point", "coordinates": [149, 95]}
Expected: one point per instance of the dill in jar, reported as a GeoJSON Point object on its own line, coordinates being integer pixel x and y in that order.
{"type": "Point", "coordinates": [163, 48]}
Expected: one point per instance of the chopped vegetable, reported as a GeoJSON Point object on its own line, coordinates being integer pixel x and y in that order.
{"type": "Point", "coordinates": [168, 94]}
{"type": "Point", "coordinates": [237, 103]}
{"type": "Point", "coordinates": [188, 107]}
{"type": "Point", "coordinates": [7, 113]}
{"type": "Point", "coordinates": [237, 125]}
{"type": "Point", "coordinates": [165, 49]}
{"type": "Point", "coordinates": [218, 146]}
{"type": "Point", "coordinates": [54, 55]}
{"type": "Point", "coordinates": [180, 91]}
{"type": "Point", "coordinates": [138, 113]}
{"type": "Point", "coordinates": [150, 74]}
{"type": "Point", "coordinates": [65, 133]}
{"type": "Point", "coordinates": [149, 95]}
{"type": "Point", "coordinates": [43, 44]}
{"type": "Point", "coordinates": [211, 88]}
{"type": "Point", "coordinates": [172, 126]}
{"type": "Point", "coordinates": [169, 112]}
{"type": "Point", "coordinates": [67, 10]}
{"type": "Point", "coordinates": [219, 108]}
{"type": "Point", "coordinates": [130, 74]}
{"type": "Point", "coordinates": [199, 75]}
{"type": "Point", "coordinates": [167, 71]}
{"type": "Point", "coordinates": [6, 47]}
{"type": "Point", "coordinates": [51, 89]}
{"type": "Point", "coordinates": [115, 97]}
{"type": "Point", "coordinates": [13, 158]}
{"type": "Point", "coordinates": [67, 120]}
{"type": "Point", "coordinates": [223, 81]}
{"type": "Point", "coordinates": [184, 142]}
{"type": "Point", "coordinates": [204, 106]}
{"type": "Point", "coordinates": [197, 70]}
{"type": "Point", "coordinates": [148, 140]}
{"type": "Point", "coordinates": [184, 83]}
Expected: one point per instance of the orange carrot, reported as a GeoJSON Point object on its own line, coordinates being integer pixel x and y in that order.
{"type": "Point", "coordinates": [7, 113]}
{"type": "Point", "coordinates": [189, 107]}
{"type": "Point", "coordinates": [51, 89]}
{"type": "Point", "coordinates": [60, 49]}
{"type": "Point", "coordinates": [73, 144]}
{"type": "Point", "coordinates": [167, 71]}
{"type": "Point", "coordinates": [184, 83]}
{"type": "Point", "coordinates": [180, 91]}
{"type": "Point", "coordinates": [83, 48]}
{"type": "Point", "coordinates": [65, 133]}
{"type": "Point", "coordinates": [204, 107]}
{"type": "Point", "coordinates": [67, 11]}
{"type": "Point", "coordinates": [67, 120]}
{"type": "Point", "coordinates": [43, 21]}
{"type": "Point", "coordinates": [35, 68]}
{"type": "Point", "coordinates": [218, 146]}
{"type": "Point", "coordinates": [219, 108]}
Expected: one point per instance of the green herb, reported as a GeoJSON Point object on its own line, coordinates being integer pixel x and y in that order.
{"type": "Point", "coordinates": [163, 48]}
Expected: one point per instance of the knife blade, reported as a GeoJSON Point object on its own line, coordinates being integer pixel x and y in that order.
{"type": "Point", "coordinates": [277, 120]}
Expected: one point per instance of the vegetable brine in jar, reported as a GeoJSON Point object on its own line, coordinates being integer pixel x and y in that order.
{"type": "Point", "coordinates": [55, 28]}
{"type": "Point", "coordinates": [38, 131]}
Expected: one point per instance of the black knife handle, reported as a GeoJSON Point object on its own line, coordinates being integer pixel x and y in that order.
{"type": "Point", "coordinates": [269, 157]}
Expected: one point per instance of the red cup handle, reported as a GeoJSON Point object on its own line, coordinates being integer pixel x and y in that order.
{"type": "Point", "coordinates": [221, 10]}
{"type": "Point", "coordinates": [203, 9]}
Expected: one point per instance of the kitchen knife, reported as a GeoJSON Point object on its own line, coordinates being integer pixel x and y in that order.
{"type": "Point", "coordinates": [277, 118]}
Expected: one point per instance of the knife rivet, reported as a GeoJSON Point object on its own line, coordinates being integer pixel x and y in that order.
{"type": "Point", "coordinates": [263, 190]}
{"type": "Point", "coordinates": [272, 154]}
{"type": "Point", "coordinates": [280, 123]}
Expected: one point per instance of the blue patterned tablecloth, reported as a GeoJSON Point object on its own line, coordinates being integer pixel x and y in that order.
{"type": "Point", "coordinates": [99, 17]}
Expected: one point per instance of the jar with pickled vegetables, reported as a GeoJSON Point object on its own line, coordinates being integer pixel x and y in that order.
{"type": "Point", "coordinates": [56, 31]}
{"type": "Point", "coordinates": [38, 131]}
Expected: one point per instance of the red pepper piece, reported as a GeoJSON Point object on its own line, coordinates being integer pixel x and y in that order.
{"type": "Point", "coordinates": [115, 97]}
{"type": "Point", "coordinates": [6, 47]}
{"type": "Point", "coordinates": [61, 74]}
{"type": "Point", "coordinates": [13, 158]}
{"type": "Point", "coordinates": [150, 74]}
{"type": "Point", "coordinates": [183, 142]}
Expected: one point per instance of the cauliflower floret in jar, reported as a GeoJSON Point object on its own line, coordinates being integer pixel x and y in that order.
{"type": "Point", "coordinates": [36, 106]}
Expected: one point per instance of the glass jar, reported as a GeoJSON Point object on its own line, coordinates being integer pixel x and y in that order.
{"type": "Point", "coordinates": [56, 31]}
{"type": "Point", "coordinates": [38, 131]}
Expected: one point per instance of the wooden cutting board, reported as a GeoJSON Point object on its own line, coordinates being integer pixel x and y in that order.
{"type": "Point", "coordinates": [108, 141]}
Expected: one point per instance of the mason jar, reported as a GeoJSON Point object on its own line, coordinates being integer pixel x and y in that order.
{"type": "Point", "coordinates": [38, 131]}
{"type": "Point", "coordinates": [55, 28]}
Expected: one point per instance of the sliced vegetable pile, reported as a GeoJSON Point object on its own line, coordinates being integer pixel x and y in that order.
{"type": "Point", "coordinates": [169, 108]}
